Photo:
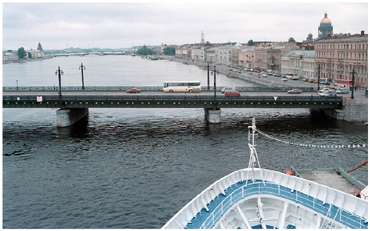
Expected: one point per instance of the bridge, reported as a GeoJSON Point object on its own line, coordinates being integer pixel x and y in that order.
{"type": "Point", "coordinates": [74, 101]}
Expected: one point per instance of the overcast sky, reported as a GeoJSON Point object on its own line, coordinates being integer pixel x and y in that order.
{"type": "Point", "coordinates": [120, 25]}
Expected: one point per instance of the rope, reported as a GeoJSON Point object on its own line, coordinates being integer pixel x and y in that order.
{"type": "Point", "coordinates": [320, 146]}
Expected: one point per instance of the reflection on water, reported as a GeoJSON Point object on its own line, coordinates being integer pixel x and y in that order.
{"type": "Point", "coordinates": [137, 172]}
{"type": "Point", "coordinates": [77, 130]}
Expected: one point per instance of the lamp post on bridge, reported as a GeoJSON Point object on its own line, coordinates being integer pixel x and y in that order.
{"type": "Point", "coordinates": [214, 83]}
{"type": "Point", "coordinates": [82, 68]}
{"type": "Point", "coordinates": [353, 83]}
{"type": "Point", "coordinates": [17, 84]}
{"type": "Point", "coordinates": [318, 77]}
{"type": "Point", "coordinates": [207, 76]}
{"type": "Point", "coordinates": [59, 73]}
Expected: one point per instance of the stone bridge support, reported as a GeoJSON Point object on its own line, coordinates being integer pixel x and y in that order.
{"type": "Point", "coordinates": [353, 110]}
{"type": "Point", "coordinates": [69, 116]}
{"type": "Point", "coordinates": [212, 115]}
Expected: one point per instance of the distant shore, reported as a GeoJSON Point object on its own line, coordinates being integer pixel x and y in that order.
{"type": "Point", "coordinates": [27, 60]}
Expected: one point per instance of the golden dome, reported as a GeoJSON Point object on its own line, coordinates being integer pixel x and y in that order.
{"type": "Point", "coordinates": [325, 20]}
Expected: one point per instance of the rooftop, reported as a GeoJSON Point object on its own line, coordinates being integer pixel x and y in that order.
{"type": "Point", "coordinates": [344, 37]}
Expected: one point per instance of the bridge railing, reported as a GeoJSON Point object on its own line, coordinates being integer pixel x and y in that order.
{"type": "Point", "coordinates": [189, 97]}
{"type": "Point", "coordinates": [143, 88]}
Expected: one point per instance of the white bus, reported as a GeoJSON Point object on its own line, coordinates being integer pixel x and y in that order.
{"type": "Point", "coordinates": [181, 86]}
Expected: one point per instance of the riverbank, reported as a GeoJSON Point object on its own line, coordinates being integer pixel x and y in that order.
{"type": "Point", "coordinates": [20, 61]}
{"type": "Point", "coordinates": [247, 76]}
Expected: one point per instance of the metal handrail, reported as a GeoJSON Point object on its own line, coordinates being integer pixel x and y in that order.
{"type": "Point", "coordinates": [211, 216]}
{"type": "Point", "coordinates": [181, 97]}
{"type": "Point", "coordinates": [143, 88]}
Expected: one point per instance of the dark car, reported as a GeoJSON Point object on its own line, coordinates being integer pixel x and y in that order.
{"type": "Point", "coordinates": [133, 90]}
{"type": "Point", "coordinates": [231, 94]}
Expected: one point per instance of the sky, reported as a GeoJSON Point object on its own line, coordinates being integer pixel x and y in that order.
{"type": "Point", "coordinates": [123, 25]}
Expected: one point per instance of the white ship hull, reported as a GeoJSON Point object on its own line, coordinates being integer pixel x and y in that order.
{"type": "Point", "coordinates": [262, 198]}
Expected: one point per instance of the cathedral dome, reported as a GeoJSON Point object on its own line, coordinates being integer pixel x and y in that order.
{"type": "Point", "coordinates": [325, 20]}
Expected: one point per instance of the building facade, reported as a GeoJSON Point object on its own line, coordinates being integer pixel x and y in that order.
{"type": "Point", "coordinates": [224, 55]}
{"type": "Point", "coordinates": [36, 54]}
{"type": "Point", "coordinates": [183, 52]}
{"type": "Point", "coordinates": [267, 58]}
{"type": "Point", "coordinates": [300, 63]}
{"type": "Point", "coordinates": [211, 55]}
{"type": "Point", "coordinates": [338, 56]}
{"type": "Point", "coordinates": [10, 56]}
{"type": "Point", "coordinates": [246, 56]}
{"type": "Point", "coordinates": [198, 55]}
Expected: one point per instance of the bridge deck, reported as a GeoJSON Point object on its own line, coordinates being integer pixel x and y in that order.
{"type": "Point", "coordinates": [14, 99]}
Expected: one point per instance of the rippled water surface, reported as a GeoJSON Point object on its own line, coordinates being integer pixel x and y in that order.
{"type": "Point", "coordinates": [135, 168]}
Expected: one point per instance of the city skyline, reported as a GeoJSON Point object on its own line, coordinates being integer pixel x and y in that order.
{"type": "Point", "coordinates": [123, 25]}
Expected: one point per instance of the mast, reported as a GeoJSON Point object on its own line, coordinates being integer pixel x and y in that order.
{"type": "Point", "coordinates": [253, 156]}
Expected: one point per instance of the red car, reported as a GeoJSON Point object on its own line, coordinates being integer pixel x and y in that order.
{"type": "Point", "coordinates": [231, 94]}
{"type": "Point", "coordinates": [133, 90]}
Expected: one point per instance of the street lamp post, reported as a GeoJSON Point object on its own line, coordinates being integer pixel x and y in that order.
{"type": "Point", "coordinates": [17, 84]}
{"type": "Point", "coordinates": [318, 78]}
{"type": "Point", "coordinates": [59, 73]}
{"type": "Point", "coordinates": [82, 68]}
{"type": "Point", "coordinates": [353, 83]}
{"type": "Point", "coordinates": [214, 83]}
{"type": "Point", "coordinates": [207, 76]}
{"type": "Point", "coordinates": [301, 66]}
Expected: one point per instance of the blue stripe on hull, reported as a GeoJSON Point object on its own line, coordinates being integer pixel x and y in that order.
{"type": "Point", "coordinates": [267, 188]}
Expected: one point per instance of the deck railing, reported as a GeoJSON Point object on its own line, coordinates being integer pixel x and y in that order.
{"type": "Point", "coordinates": [264, 188]}
{"type": "Point", "coordinates": [142, 88]}
{"type": "Point", "coordinates": [289, 187]}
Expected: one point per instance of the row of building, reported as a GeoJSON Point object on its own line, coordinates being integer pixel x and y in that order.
{"type": "Point", "coordinates": [10, 56]}
{"type": "Point", "coordinates": [333, 56]}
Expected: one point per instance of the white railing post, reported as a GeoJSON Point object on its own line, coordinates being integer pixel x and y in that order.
{"type": "Point", "coordinates": [296, 196]}
{"type": "Point", "coordinates": [222, 208]}
{"type": "Point", "coordinates": [213, 219]}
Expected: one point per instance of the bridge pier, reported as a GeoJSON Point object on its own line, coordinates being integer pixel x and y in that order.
{"type": "Point", "coordinates": [212, 115]}
{"type": "Point", "coordinates": [69, 116]}
{"type": "Point", "coordinates": [353, 110]}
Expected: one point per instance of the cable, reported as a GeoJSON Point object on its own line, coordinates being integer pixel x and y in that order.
{"type": "Point", "coordinates": [319, 146]}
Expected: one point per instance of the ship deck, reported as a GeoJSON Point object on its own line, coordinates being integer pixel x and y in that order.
{"type": "Point", "coordinates": [334, 178]}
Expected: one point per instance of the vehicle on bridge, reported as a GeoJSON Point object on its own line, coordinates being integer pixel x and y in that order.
{"type": "Point", "coordinates": [181, 86]}
{"type": "Point", "coordinates": [327, 92]}
{"type": "Point", "coordinates": [227, 89]}
{"type": "Point", "coordinates": [133, 90]}
{"type": "Point", "coordinates": [295, 91]}
{"type": "Point", "coordinates": [231, 93]}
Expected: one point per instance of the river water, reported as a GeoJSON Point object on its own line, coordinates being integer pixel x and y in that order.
{"type": "Point", "coordinates": [135, 168]}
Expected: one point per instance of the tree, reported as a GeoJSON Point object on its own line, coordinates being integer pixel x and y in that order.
{"type": "Point", "coordinates": [21, 53]}
{"type": "Point", "coordinates": [144, 50]}
{"type": "Point", "coordinates": [169, 51]}
{"type": "Point", "coordinates": [250, 42]}
{"type": "Point", "coordinates": [291, 40]}
{"type": "Point", "coordinates": [309, 37]}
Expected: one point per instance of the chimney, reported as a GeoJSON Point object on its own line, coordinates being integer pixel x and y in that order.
{"type": "Point", "coordinates": [362, 33]}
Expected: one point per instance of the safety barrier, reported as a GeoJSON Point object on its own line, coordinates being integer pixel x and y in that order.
{"type": "Point", "coordinates": [350, 205]}
{"type": "Point", "coordinates": [142, 88]}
